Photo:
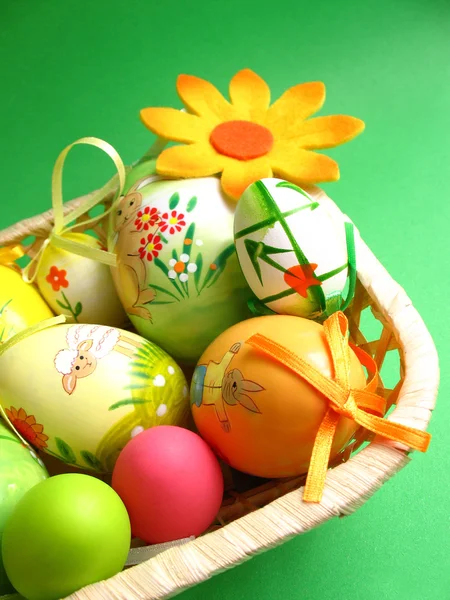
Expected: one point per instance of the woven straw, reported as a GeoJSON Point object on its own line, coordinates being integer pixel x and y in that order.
{"type": "Point", "coordinates": [262, 518]}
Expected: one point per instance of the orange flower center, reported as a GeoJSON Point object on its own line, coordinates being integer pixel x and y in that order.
{"type": "Point", "coordinates": [242, 140]}
{"type": "Point", "coordinates": [179, 267]}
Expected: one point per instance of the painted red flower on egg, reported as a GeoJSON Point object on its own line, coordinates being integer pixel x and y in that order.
{"type": "Point", "coordinates": [147, 218]}
{"type": "Point", "coordinates": [173, 222]}
{"type": "Point", "coordinates": [301, 277]}
{"type": "Point", "coordinates": [57, 279]}
{"type": "Point", "coordinates": [27, 427]}
{"type": "Point", "coordinates": [150, 247]}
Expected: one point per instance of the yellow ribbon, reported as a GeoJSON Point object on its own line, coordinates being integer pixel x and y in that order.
{"type": "Point", "coordinates": [9, 254]}
{"type": "Point", "coordinates": [362, 406]}
{"type": "Point", "coordinates": [61, 222]}
{"type": "Point", "coordinates": [22, 335]}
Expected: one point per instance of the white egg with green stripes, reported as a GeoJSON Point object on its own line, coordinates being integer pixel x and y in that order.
{"type": "Point", "coordinates": [297, 256]}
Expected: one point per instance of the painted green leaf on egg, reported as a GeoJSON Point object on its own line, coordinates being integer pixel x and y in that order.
{"type": "Point", "coordinates": [187, 247]}
{"type": "Point", "coordinates": [128, 402]}
{"type": "Point", "coordinates": [66, 452]}
{"type": "Point", "coordinates": [191, 204]}
{"type": "Point", "coordinates": [174, 200]}
{"type": "Point", "coordinates": [198, 272]}
{"type": "Point", "coordinates": [217, 266]}
{"type": "Point", "coordinates": [91, 460]}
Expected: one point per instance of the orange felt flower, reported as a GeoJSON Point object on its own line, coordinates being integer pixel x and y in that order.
{"type": "Point", "coordinates": [301, 277]}
{"type": "Point", "coordinates": [27, 427]}
{"type": "Point", "coordinates": [248, 139]}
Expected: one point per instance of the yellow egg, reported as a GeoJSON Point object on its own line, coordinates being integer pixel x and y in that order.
{"type": "Point", "coordinates": [79, 287]}
{"type": "Point", "coordinates": [21, 306]}
{"type": "Point", "coordinates": [81, 392]}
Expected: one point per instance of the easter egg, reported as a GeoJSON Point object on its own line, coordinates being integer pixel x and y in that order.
{"type": "Point", "coordinates": [171, 483]}
{"type": "Point", "coordinates": [291, 247]}
{"type": "Point", "coordinates": [67, 532]}
{"type": "Point", "coordinates": [20, 470]}
{"type": "Point", "coordinates": [78, 286]}
{"type": "Point", "coordinates": [21, 306]}
{"type": "Point", "coordinates": [80, 392]}
{"type": "Point", "coordinates": [260, 417]}
{"type": "Point", "coordinates": [177, 276]}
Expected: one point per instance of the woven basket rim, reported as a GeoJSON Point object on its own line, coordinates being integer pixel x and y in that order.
{"type": "Point", "coordinates": [348, 485]}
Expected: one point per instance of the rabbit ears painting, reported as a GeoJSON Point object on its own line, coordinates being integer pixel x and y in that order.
{"type": "Point", "coordinates": [87, 344]}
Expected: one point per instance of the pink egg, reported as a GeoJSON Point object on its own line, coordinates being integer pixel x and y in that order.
{"type": "Point", "coordinates": [170, 482]}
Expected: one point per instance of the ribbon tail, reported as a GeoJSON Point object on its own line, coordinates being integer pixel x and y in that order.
{"type": "Point", "coordinates": [9, 254]}
{"type": "Point", "coordinates": [414, 438]}
{"type": "Point", "coordinates": [107, 258]}
{"type": "Point", "coordinates": [31, 331]}
{"type": "Point", "coordinates": [320, 457]}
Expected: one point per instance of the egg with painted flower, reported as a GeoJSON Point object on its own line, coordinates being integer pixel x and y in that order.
{"type": "Point", "coordinates": [81, 392]}
{"type": "Point", "coordinates": [177, 276]}
{"type": "Point", "coordinates": [78, 286]}
{"type": "Point", "coordinates": [293, 247]}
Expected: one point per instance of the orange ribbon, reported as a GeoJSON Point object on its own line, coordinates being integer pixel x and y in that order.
{"type": "Point", "coordinates": [9, 254]}
{"type": "Point", "coordinates": [364, 406]}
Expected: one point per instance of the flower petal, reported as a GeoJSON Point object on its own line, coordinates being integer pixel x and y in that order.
{"type": "Point", "coordinates": [175, 124]}
{"type": "Point", "coordinates": [296, 104]}
{"type": "Point", "coordinates": [195, 160]}
{"type": "Point", "coordinates": [238, 175]}
{"type": "Point", "coordinates": [326, 132]}
{"type": "Point", "coordinates": [300, 166]}
{"type": "Point", "coordinates": [204, 99]}
{"type": "Point", "coordinates": [21, 415]}
{"type": "Point", "coordinates": [250, 94]}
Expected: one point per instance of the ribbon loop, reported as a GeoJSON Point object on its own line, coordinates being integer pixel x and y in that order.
{"type": "Point", "coordinates": [62, 223]}
{"type": "Point", "coordinates": [364, 407]}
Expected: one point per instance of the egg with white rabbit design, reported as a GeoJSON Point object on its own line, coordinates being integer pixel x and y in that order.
{"type": "Point", "coordinates": [177, 275]}
{"type": "Point", "coordinates": [293, 248]}
{"type": "Point", "coordinates": [87, 389]}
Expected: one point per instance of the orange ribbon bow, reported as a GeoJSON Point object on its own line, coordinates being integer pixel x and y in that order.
{"type": "Point", "coordinates": [364, 406]}
{"type": "Point", "coordinates": [9, 254]}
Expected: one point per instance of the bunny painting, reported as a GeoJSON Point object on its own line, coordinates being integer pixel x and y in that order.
{"type": "Point", "coordinates": [130, 275]}
{"type": "Point", "coordinates": [212, 385]}
{"type": "Point", "coordinates": [87, 345]}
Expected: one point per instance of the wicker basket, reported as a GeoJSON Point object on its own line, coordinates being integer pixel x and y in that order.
{"type": "Point", "coordinates": [264, 517]}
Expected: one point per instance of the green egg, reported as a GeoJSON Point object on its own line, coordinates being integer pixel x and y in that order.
{"type": "Point", "coordinates": [67, 532]}
{"type": "Point", "coordinates": [20, 470]}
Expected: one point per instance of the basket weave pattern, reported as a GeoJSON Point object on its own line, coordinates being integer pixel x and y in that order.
{"type": "Point", "coordinates": [262, 518]}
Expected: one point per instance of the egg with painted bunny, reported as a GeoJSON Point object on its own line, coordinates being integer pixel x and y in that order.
{"type": "Point", "coordinates": [177, 274]}
{"type": "Point", "coordinates": [86, 390]}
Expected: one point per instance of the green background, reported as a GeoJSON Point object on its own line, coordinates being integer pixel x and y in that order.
{"type": "Point", "coordinates": [76, 68]}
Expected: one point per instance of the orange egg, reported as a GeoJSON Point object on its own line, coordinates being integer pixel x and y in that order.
{"type": "Point", "coordinates": [260, 417]}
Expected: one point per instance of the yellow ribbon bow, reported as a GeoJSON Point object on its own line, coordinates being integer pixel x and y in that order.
{"type": "Point", "coordinates": [9, 254]}
{"type": "Point", "coordinates": [362, 406]}
{"type": "Point", "coordinates": [61, 222]}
